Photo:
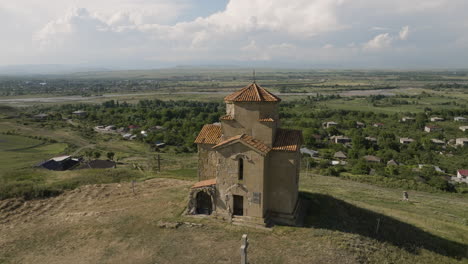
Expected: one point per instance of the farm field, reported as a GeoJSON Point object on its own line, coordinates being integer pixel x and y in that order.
{"type": "Point", "coordinates": [19, 152]}
{"type": "Point", "coordinates": [110, 223]}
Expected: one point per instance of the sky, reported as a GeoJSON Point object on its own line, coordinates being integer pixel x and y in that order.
{"type": "Point", "coordinates": [402, 34]}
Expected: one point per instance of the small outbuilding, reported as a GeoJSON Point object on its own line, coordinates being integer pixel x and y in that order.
{"type": "Point", "coordinates": [370, 158]}
{"type": "Point", "coordinates": [98, 164]}
{"type": "Point", "coordinates": [340, 155]}
{"type": "Point", "coordinates": [406, 140]}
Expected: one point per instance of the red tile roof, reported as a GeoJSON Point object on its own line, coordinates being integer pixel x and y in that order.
{"type": "Point", "coordinates": [287, 140]}
{"type": "Point", "coordinates": [249, 140]}
{"type": "Point", "coordinates": [463, 172]}
{"type": "Point", "coordinates": [204, 183]}
{"type": "Point", "coordinates": [227, 117]}
{"type": "Point", "coordinates": [210, 134]}
{"type": "Point", "coordinates": [252, 93]}
{"type": "Point", "coordinates": [269, 119]}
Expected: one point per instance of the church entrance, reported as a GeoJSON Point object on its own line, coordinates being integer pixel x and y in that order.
{"type": "Point", "coordinates": [204, 205]}
{"type": "Point", "coordinates": [238, 205]}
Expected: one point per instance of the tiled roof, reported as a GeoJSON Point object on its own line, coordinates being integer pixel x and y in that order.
{"type": "Point", "coordinates": [227, 117]}
{"type": "Point", "coordinates": [269, 119]}
{"type": "Point", "coordinates": [252, 93]}
{"type": "Point", "coordinates": [204, 183]}
{"type": "Point", "coordinates": [287, 140]}
{"type": "Point", "coordinates": [255, 143]}
{"type": "Point", "coordinates": [372, 158]}
{"type": "Point", "coordinates": [210, 134]}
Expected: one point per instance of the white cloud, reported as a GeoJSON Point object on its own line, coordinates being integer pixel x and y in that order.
{"type": "Point", "coordinates": [280, 30]}
{"type": "Point", "coordinates": [385, 40]}
{"type": "Point", "coordinates": [379, 42]}
{"type": "Point", "coordinates": [404, 33]}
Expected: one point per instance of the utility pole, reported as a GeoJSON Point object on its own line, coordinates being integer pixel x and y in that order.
{"type": "Point", "coordinates": [158, 160]}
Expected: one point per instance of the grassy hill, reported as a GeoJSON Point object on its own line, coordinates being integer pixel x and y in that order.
{"type": "Point", "coordinates": [109, 223]}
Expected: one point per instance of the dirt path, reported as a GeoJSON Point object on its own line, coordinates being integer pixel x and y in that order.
{"type": "Point", "coordinates": [81, 148]}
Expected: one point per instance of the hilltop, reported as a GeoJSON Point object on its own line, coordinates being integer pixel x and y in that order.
{"type": "Point", "coordinates": [109, 223]}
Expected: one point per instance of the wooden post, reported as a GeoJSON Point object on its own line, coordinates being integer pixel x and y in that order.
{"type": "Point", "coordinates": [243, 249]}
{"type": "Point", "coordinates": [378, 226]}
{"type": "Point", "coordinates": [159, 163]}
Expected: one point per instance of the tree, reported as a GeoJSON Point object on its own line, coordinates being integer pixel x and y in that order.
{"type": "Point", "coordinates": [110, 155]}
{"type": "Point", "coordinates": [96, 154]}
{"type": "Point", "coordinates": [88, 154]}
{"type": "Point", "coordinates": [361, 167]}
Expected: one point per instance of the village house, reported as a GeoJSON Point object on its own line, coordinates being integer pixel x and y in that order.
{"type": "Point", "coordinates": [408, 119]}
{"type": "Point", "coordinates": [329, 124]}
{"type": "Point", "coordinates": [406, 140]}
{"type": "Point", "coordinates": [463, 128]}
{"type": "Point", "coordinates": [340, 139]}
{"type": "Point", "coordinates": [98, 164]}
{"type": "Point", "coordinates": [393, 162]}
{"type": "Point", "coordinates": [462, 176]}
{"type": "Point", "coordinates": [371, 139]}
{"type": "Point", "coordinates": [60, 163]}
{"type": "Point", "coordinates": [461, 142]}
{"type": "Point", "coordinates": [432, 128]}
{"type": "Point", "coordinates": [360, 125]}
{"type": "Point", "coordinates": [340, 155]}
{"type": "Point", "coordinates": [437, 141]}
{"type": "Point", "coordinates": [436, 119]}
{"type": "Point", "coordinates": [80, 113]}
{"type": "Point", "coordinates": [436, 168]}
{"type": "Point", "coordinates": [379, 125]}
{"type": "Point", "coordinates": [312, 153]}
{"type": "Point", "coordinates": [370, 158]}
{"type": "Point", "coordinates": [248, 167]}
{"type": "Point", "coordinates": [460, 119]}
{"type": "Point", "coordinates": [133, 127]}
{"type": "Point", "coordinates": [41, 116]}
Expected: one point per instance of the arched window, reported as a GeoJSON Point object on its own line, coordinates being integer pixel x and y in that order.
{"type": "Point", "coordinates": [241, 169]}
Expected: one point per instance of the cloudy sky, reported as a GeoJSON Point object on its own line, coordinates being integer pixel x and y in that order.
{"type": "Point", "coordinates": [289, 33]}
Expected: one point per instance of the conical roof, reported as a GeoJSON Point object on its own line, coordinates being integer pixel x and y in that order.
{"type": "Point", "coordinates": [252, 93]}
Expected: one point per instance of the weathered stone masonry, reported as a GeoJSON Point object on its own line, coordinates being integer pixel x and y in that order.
{"type": "Point", "coordinates": [247, 164]}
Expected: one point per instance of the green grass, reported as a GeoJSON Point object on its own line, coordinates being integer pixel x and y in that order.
{"type": "Point", "coordinates": [40, 183]}
{"type": "Point", "coordinates": [430, 227]}
{"type": "Point", "coordinates": [20, 152]}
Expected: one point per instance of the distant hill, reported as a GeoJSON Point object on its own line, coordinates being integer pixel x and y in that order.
{"type": "Point", "coordinates": [45, 69]}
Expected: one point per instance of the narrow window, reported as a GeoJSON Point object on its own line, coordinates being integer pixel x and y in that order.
{"type": "Point", "coordinates": [241, 169]}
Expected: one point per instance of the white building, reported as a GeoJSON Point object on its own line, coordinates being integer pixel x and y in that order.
{"type": "Point", "coordinates": [460, 119]}
{"type": "Point", "coordinates": [408, 119]}
{"type": "Point", "coordinates": [461, 142]}
{"type": "Point", "coordinates": [329, 124]}
{"type": "Point", "coordinates": [436, 119]}
{"type": "Point", "coordinates": [406, 140]}
{"type": "Point", "coordinates": [430, 128]}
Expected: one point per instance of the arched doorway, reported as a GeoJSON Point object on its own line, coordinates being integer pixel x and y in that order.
{"type": "Point", "coordinates": [204, 205]}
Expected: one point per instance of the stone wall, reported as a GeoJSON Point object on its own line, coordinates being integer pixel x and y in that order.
{"type": "Point", "coordinates": [282, 181]}
{"type": "Point", "coordinates": [207, 159]}
{"type": "Point", "coordinates": [251, 187]}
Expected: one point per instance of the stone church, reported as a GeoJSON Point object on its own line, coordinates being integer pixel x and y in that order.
{"type": "Point", "coordinates": [248, 167]}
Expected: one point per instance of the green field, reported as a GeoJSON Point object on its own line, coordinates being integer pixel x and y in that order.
{"type": "Point", "coordinates": [20, 152]}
